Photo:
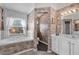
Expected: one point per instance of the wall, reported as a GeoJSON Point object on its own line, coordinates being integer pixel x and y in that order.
{"type": "Point", "coordinates": [30, 23]}
{"type": "Point", "coordinates": [53, 21]}
{"type": "Point", "coordinates": [0, 21]}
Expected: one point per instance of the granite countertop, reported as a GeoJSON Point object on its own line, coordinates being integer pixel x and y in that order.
{"type": "Point", "coordinates": [71, 38]}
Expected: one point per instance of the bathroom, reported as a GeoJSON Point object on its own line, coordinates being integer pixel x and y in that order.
{"type": "Point", "coordinates": [43, 29]}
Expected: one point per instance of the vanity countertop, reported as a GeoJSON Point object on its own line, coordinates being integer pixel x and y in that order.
{"type": "Point", "coordinates": [70, 38]}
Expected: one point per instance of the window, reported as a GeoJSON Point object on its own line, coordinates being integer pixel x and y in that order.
{"type": "Point", "coordinates": [16, 25]}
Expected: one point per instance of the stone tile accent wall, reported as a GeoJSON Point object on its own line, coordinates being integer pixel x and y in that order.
{"type": "Point", "coordinates": [15, 47]}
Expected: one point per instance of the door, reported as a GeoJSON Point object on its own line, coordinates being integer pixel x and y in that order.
{"type": "Point", "coordinates": [76, 49]}
{"type": "Point", "coordinates": [55, 45]}
{"type": "Point", "coordinates": [67, 27]}
{"type": "Point", "coordinates": [64, 47]}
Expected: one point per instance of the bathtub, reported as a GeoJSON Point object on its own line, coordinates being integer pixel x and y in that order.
{"type": "Point", "coordinates": [14, 39]}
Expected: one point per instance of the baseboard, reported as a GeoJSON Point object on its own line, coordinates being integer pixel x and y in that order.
{"type": "Point", "coordinates": [23, 51]}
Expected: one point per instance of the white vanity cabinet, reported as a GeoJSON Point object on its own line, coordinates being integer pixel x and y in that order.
{"type": "Point", "coordinates": [64, 47]}
{"type": "Point", "coordinates": [55, 44]}
{"type": "Point", "coordinates": [75, 48]}
{"type": "Point", "coordinates": [61, 46]}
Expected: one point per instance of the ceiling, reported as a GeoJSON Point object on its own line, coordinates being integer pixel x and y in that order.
{"type": "Point", "coordinates": [27, 7]}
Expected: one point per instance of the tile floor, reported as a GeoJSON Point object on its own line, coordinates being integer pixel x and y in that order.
{"type": "Point", "coordinates": [37, 53]}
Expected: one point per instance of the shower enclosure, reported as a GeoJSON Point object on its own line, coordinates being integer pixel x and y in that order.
{"type": "Point", "coordinates": [43, 20]}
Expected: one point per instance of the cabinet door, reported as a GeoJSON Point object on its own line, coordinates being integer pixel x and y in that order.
{"type": "Point", "coordinates": [76, 49]}
{"type": "Point", "coordinates": [55, 45]}
{"type": "Point", "coordinates": [64, 47]}
{"type": "Point", "coordinates": [60, 46]}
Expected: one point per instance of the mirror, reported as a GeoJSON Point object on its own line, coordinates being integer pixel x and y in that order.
{"type": "Point", "coordinates": [73, 19]}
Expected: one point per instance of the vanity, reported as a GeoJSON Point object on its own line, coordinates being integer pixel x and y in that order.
{"type": "Point", "coordinates": [64, 45]}
{"type": "Point", "coordinates": [67, 42]}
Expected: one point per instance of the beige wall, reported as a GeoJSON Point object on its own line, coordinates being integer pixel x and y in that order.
{"type": "Point", "coordinates": [30, 23]}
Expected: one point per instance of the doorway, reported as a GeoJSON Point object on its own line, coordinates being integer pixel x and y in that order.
{"type": "Point", "coordinates": [67, 27]}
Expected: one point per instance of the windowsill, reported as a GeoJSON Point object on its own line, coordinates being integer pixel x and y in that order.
{"type": "Point", "coordinates": [16, 39]}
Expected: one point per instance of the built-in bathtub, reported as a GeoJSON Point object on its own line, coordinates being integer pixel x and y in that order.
{"type": "Point", "coordinates": [14, 44]}
{"type": "Point", "coordinates": [14, 39]}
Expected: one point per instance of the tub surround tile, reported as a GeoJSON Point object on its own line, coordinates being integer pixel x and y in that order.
{"type": "Point", "coordinates": [15, 47]}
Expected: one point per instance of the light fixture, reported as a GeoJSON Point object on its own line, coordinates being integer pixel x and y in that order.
{"type": "Point", "coordinates": [65, 13]}
{"type": "Point", "coordinates": [69, 11]}
{"type": "Point", "coordinates": [74, 10]}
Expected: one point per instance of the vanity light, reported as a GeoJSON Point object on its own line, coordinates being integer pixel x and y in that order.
{"type": "Point", "coordinates": [65, 13]}
{"type": "Point", "coordinates": [69, 11]}
{"type": "Point", "coordinates": [74, 10]}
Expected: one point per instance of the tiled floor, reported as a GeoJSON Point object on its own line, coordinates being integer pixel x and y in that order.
{"type": "Point", "coordinates": [37, 53]}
